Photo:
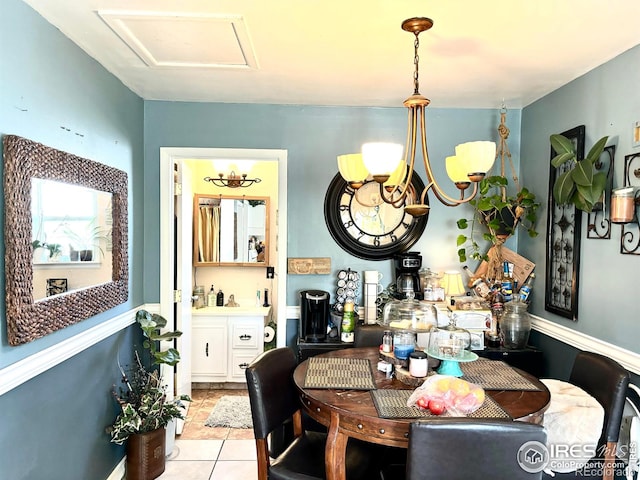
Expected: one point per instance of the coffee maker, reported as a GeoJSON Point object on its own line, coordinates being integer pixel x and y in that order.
{"type": "Point", "coordinates": [314, 315]}
{"type": "Point", "coordinates": [408, 266]}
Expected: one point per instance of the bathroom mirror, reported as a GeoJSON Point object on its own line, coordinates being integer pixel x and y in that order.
{"type": "Point", "coordinates": [230, 231]}
{"type": "Point", "coordinates": [28, 163]}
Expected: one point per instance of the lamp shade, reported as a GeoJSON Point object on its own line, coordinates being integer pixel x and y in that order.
{"type": "Point", "coordinates": [352, 167]}
{"type": "Point", "coordinates": [457, 169]}
{"type": "Point", "coordinates": [398, 175]}
{"type": "Point", "coordinates": [452, 284]}
{"type": "Point", "coordinates": [479, 156]}
{"type": "Point", "coordinates": [381, 158]}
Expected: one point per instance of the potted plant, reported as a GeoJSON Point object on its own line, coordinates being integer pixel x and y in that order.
{"type": "Point", "coordinates": [85, 239]}
{"type": "Point", "coordinates": [580, 182]}
{"type": "Point", "coordinates": [497, 212]}
{"type": "Point", "coordinates": [145, 407]}
{"type": "Point", "coordinates": [496, 216]}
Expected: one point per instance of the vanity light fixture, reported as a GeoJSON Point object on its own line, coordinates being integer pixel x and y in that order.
{"type": "Point", "coordinates": [232, 180]}
{"type": "Point", "coordinates": [385, 163]}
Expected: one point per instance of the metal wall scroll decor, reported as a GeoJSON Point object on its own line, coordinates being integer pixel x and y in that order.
{"type": "Point", "coordinates": [630, 237]}
{"type": "Point", "coordinates": [563, 243]}
{"type": "Point", "coordinates": [599, 220]}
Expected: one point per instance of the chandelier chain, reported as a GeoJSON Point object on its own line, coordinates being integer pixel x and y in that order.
{"type": "Point", "coordinates": [416, 62]}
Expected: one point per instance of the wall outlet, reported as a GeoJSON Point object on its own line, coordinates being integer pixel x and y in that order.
{"type": "Point", "coordinates": [270, 272]}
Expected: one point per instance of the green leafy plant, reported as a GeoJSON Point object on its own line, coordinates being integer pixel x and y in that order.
{"type": "Point", "coordinates": [143, 397]}
{"type": "Point", "coordinates": [581, 183]}
{"type": "Point", "coordinates": [86, 237]}
{"type": "Point", "coordinates": [496, 212]}
{"type": "Point", "coordinates": [496, 216]}
{"type": "Point", "coordinates": [54, 249]}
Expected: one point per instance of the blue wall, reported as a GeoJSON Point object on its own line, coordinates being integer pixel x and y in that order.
{"type": "Point", "coordinates": [53, 93]}
{"type": "Point", "coordinates": [314, 136]}
{"type": "Point", "coordinates": [607, 101]}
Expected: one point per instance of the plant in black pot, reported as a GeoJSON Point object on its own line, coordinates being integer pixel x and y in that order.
{"type": "Point", "coordinates": [146, 409]}
{"type": "Point", "coordinates": [498, 209]}
{"type": "Point", "coordinates": [85, 239]}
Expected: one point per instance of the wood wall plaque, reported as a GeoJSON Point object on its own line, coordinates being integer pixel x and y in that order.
{"type": "Point", "coordinates": [309, 266]}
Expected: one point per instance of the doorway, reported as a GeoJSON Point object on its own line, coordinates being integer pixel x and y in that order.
{"type": "Point", "coordinates": [168, 242]}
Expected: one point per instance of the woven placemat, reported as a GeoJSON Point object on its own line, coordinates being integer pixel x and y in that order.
{"type": "Point", "coordinates": [345, 373]}
{"type": "Point", "coordinates": [393, 404]}
{"type": "Point", "coordinates": [495, 375]}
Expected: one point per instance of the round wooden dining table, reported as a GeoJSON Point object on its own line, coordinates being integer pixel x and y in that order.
{"type": "Point", "coordinates": [352, 413]}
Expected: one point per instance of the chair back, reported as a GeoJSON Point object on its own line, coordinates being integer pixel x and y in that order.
{"type": "Point", "coordinates": [272, 394]}
{"type": "Point", "coordinates": [606, 381]}
{"type": "Point", "coordinates": [368, 336]}
{"type": "Point", "coordinates": [462, 447]}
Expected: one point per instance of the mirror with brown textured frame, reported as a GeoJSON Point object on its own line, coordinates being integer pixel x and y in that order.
{"type": "Point", "coordinates": [28, 316]}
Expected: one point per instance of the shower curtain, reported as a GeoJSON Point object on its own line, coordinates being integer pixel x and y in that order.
{"type": "Point", "coordinates": [209, 234]}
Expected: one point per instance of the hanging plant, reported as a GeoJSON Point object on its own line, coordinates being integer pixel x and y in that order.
{"type": "Point", "coordinates": [496, 213]}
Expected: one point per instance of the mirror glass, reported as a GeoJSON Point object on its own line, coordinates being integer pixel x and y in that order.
{"type": "Point", "coordinates": [74, 206]}
{"type": "Point", "coordinates": [231, 230]}
{"type": "Point", "coordinates": [71, 237]}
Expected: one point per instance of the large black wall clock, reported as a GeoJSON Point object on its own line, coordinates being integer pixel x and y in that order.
{"type": "Point", "coordinates": [363, 225]}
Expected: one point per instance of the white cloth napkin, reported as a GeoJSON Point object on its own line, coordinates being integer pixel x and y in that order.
{"type": "Point", "coordinates": [573, 423]}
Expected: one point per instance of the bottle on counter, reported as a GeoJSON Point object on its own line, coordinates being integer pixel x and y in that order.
{"type": "Point", "coordinates": [387, 341]}
{"type": "Point", "coordinates": [211, 297]}
{"type": "Point", "coordinates": [469, 279]}
{"type": "Point", "coordinates": [525, 289]}
{"type": "Point", "coordinates": [348, 323]}
{"type": "Point", "coordinates": [220, 298]}
{"type": "Point", "coordinates": [266, 298]}
{"type": "Point", "coordinates": [507, 283]}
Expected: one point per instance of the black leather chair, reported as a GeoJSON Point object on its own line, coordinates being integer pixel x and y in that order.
{"type": "Point", "coordinates": [367, 335]}
{"type": "Point", "coordinates": [274, 402]}
{"type": "Point", "coordinates": [458, 448]}
{"type": "Point", "coordinates": [606, 381]}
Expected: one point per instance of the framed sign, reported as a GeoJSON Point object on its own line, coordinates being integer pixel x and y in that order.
{"type": "Point", "coordinates": [563, 243]}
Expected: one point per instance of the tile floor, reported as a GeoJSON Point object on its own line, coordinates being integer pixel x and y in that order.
{"type": "Point", "coordinates": [211, 453]}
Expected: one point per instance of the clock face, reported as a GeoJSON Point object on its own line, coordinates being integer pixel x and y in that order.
{"type": "Point", "coordinates": [367, 227]}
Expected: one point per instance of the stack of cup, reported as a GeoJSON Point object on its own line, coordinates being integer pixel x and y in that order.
{"type": "Point", "coordinates": [372, 288]}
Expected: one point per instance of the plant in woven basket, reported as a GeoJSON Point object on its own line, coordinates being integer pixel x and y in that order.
{"type": "Point", "coordinates": [142, 398]}
{"type": "Point", "coordinates": [497, 212]}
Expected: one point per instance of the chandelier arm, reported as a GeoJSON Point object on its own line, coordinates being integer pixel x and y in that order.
{"type": "Point", "coordinates": [431, 180]}
{"type": "Point", "coordinates": [410, 146]}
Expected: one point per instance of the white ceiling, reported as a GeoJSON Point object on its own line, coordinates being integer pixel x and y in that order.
{"type": "Point", "coordinates": [346, 52]}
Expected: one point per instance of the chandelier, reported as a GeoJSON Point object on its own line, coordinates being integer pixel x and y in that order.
{"type": "Point", "coordinates": [385, 163]}
{"type": "Point", "coordinates": [232, 180]}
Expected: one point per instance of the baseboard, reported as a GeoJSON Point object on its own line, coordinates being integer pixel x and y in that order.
{"type": "Point", "coordinates": [119, 472]}
{"type": "Point", "coordinates": [24, 370]}
{"type": "Point", "coordinates": [626, 358]}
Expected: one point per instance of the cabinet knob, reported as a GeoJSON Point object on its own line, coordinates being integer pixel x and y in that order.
{"type": "Point", "coordinates": [243, 365]}
{"type": "Point", "coordinates": [206, 349]}
{"type": "Point", "coordinates": [245, 337]}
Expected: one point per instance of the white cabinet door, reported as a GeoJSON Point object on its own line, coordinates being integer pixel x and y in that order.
{"type": "Point", "coordinates": [209, 351]}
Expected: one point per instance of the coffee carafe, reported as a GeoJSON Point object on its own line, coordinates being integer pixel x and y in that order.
{"type": "Point", "coordinates": [408, 266]}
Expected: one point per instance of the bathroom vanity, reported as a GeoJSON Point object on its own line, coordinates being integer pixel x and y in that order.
{"type": "Point", "coordinates": [225, 340]}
